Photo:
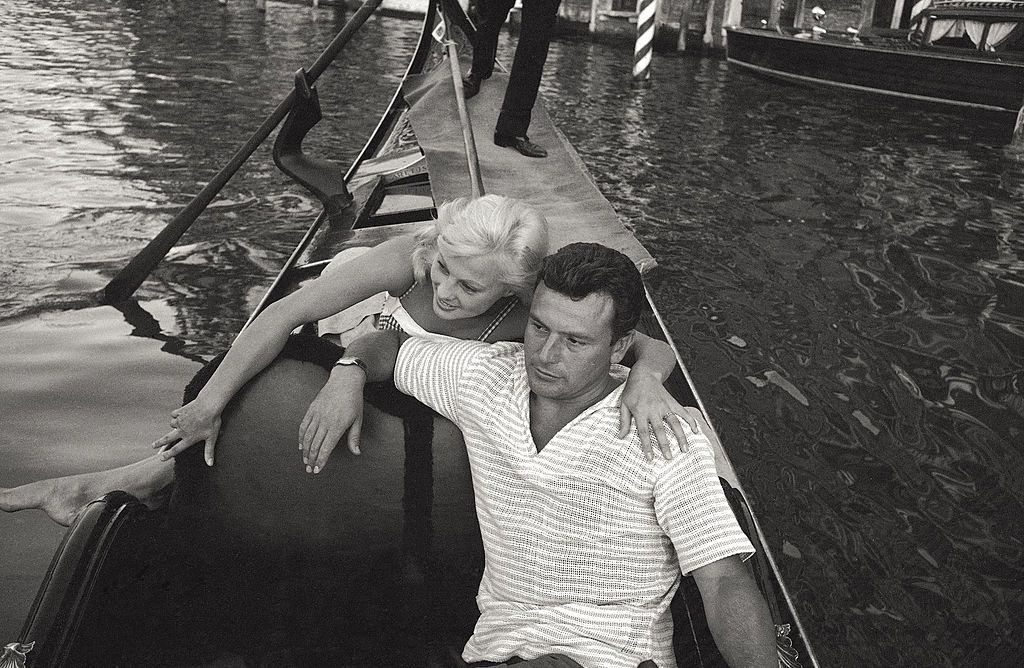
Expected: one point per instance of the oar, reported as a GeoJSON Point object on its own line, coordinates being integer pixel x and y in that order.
{"type": "Point", "coordinates": [476, 183]}
{"type": "Point", "coordinates": [130, 278]}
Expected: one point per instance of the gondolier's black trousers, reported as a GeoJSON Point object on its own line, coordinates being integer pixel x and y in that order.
{"type": "Point", "coordinates": [531, 52]}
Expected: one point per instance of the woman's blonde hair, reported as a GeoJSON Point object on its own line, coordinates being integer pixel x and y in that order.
{"type": "Point", "coordinates": [509, 229]}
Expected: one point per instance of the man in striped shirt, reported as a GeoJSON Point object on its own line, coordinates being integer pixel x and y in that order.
{"type": "Point", "coordinates": [585, 539]}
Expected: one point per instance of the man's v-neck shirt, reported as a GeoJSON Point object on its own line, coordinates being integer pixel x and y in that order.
{"type": "Point", "coordinates": [584, 541]}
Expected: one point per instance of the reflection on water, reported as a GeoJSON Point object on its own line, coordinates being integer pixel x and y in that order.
{"type": "Point", "coordinates": [123, 113]}
{"type": "Point", "coordinates": [843, 275]}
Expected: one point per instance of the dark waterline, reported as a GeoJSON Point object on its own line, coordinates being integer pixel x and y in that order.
{"type": "Point", "coordinates": [842, 275]}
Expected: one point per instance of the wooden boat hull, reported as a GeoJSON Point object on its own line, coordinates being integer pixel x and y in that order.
{"type": "Point", "coordinates": [887, 66]}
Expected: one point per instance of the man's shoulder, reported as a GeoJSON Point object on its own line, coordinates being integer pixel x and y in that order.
{"type": "Point", "coordinates": [499, 360]}
{"type": "Point", "coordinates": [503, 350]}
{"type": "Point", "coordinates": [453, 376]}
{"type": "Point", "coordinates": [690, 468]}
{"type": "Point", "coordinates": [467, 354]}
{"type": "Point", "coordinates": [490, 371]}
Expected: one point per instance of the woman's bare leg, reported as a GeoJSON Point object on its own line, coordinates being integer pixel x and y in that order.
{"type": "Point", "coordinates": [63, 498]}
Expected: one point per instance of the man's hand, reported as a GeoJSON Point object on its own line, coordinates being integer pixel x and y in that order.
{"type": "Point", "coordinates": [190, 424]}
{"type": "Point", "coordinates": [338, 408]}
{"type": "Point", "coordinates": [645, 400]}
{"type": "Point", "coordinates": [737, 614]}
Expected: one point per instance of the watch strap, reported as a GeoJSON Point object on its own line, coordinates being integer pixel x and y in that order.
{"type": "Point", "coordinates": [353, 361]}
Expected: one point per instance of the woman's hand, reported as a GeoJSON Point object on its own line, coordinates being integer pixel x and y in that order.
{"type": "Point", "coordinates": [337, 408]}
{"type": "Point", "coordinates": [190, 424]}
{"type": "Point", "coordinates": [645, 400]}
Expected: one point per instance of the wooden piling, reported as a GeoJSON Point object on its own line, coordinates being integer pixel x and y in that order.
{"type": "Point", "coordinates": [801, 9]}
{"type": "Point", "coordinates": [775, 14]}
{"type": "Point", "coordinates": [643, 49]}
{"type": "Point", "coordinates": [1018, 130]}
{"type": "Point", "coordinates": [707, 40]}
{"type": "Point", "coordinates": [867, 15]}
{"type": "Point", "coordinates": [732, 15]}
{"type": "Point", "coordinates": [684, 23]}
{"type": "Point", "coordinates": [897, 14]}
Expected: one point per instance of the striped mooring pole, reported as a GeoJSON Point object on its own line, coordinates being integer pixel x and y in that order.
{"type": "Point", "coordinates": [644, 41]}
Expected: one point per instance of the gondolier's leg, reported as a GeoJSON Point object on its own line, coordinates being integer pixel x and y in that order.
{"type": "Point", "coordinates": [492, 16]}
{"type": "Point", "coordinates": [524, 81]}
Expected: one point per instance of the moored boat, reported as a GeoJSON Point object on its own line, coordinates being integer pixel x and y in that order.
{"type": "Point", "coordinates": [965, 53]}
{"type": "Point", "coordinates": [381, 572]}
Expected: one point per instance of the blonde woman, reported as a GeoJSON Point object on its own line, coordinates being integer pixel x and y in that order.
{"type": "Point", "coordinates": [469, 276]}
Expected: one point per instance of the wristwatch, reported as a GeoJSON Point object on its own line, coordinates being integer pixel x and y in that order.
{"type": "Point", "coordinates": [353, 361]}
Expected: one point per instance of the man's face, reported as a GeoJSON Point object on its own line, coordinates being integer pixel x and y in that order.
{"type": "Point", "coordinates": [569, 344]}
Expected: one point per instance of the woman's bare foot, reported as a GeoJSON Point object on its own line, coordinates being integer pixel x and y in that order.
{"type": "Point", "coordinates": [63, 498]}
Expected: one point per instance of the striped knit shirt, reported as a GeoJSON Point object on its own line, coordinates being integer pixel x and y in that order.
{"type": "Point", "coordinates": [584, 541]}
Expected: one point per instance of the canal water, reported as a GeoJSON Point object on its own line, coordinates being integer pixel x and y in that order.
{"type": "Point", "coordinates": [843, 275]}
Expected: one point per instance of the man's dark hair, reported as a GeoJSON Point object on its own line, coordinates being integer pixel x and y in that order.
{"type": "Point", "coordinates": [582, 269]}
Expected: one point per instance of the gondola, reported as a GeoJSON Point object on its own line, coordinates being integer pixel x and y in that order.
{"type": "Point", "coordinates": [376, 560]}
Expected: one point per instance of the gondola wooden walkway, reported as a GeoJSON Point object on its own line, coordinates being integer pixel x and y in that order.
{"type": "Point", "coordinates": [558, 185]}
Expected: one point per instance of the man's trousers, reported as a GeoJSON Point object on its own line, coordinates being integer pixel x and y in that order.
{"type": "Point", "coordinates": [532, 50]}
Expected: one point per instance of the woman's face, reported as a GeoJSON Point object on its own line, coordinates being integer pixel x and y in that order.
{"type": "Point", "coordinates": [465, 286]}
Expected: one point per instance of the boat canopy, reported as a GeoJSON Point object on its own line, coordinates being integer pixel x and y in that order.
{"type": "Point", "coordinates": [984, 25]}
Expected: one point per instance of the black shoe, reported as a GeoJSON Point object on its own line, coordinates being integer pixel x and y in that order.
{"type": "Point", "coordinates": [471, 85]}
{"type": "Point", "coordinates": [521, 144]}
